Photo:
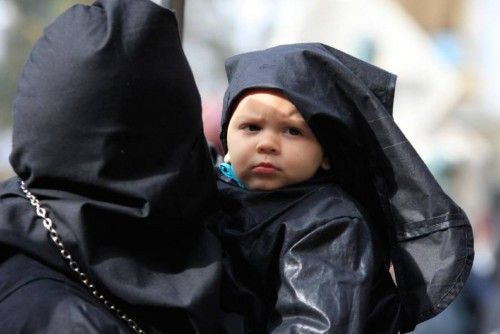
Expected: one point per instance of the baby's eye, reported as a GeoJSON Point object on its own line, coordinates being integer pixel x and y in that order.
{"type": "Point", "coordinates": [251, 127]}
{"type": "Point", "coordinates": [293, 131]}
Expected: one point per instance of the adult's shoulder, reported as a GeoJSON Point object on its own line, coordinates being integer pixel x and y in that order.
{"type": "Point", "coordinates": [36, 299]}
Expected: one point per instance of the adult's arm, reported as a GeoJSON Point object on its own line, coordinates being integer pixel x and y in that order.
{"type": "Point", "coordinates": [326, 275]}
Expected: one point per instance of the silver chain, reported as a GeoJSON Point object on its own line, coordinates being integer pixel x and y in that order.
{"type": "Point", "coordinates": [54, 235]}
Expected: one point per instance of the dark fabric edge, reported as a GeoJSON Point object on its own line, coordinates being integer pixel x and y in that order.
{"type": "Point", "coordinates": [429, 226]}
{"type": "Point", "coordinates": [459, 283]}
{"type": "Point", "coordinates": [391, 89]}
{"type": "Point", "coordinates": [449, 296]}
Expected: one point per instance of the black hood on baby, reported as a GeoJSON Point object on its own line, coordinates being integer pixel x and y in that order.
{"type": "Point", "coordinates": [301, 72]}
{"type": "Point", "coordinates": [108, 134]}
{"type": "Point", "coordinates": [348, 105]}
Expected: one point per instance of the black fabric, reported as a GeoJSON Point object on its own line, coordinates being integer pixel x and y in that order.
{"type": "Point", "coordinates": [302, 259]}
{"type": "Point", "coordinates": [108, 135]}
{"type": "Point", "coordinates": [56, 300]}
{"type": "Point", "coordinates": [348, 105]}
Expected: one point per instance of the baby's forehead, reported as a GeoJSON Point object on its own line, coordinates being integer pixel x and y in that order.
{"type": "Point", "coordinates": [266, 104]}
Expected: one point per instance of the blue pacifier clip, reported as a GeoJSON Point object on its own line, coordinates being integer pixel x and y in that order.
{"type": "Point", "coordinates": [228, 171]}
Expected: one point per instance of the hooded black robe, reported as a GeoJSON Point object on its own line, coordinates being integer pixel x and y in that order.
{"type": "Point", "coordinates": [108, 135]}
{"type": "Point", "coordinates": [414, 225]}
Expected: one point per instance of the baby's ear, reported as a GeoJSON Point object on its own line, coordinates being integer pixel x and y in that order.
{"type": "Point", "coordinates": [325, 164]}
{"type": "Point", "coordinates": [227, 158]}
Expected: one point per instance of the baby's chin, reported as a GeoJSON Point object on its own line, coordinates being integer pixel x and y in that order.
{"type": "Point", "coordinates": [267, 184]}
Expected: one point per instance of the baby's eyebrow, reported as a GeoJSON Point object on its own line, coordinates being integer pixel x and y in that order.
{"type": "Point", "coordinates": [253, 116]}
{"type": "Point", "coordinates": [297, 117]}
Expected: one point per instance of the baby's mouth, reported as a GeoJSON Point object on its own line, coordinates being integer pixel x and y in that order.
{"type": "Point", "coordinates": [265, 168]}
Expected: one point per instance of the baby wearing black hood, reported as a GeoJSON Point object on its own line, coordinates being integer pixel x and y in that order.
{"type": "Point", "coordinates": [308, 227]}
{"type": "Point", "coordinates": [321, 194]}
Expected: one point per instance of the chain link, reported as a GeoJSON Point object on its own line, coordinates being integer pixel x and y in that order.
{"type": "Point", "coordinates": [54, 235]}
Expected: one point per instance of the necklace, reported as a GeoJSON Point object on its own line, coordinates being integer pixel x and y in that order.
{"type": "Point", "coordinates": [41, 212]}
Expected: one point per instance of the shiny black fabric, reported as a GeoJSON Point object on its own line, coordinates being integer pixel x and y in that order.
{"type": "Point", "coordinates": [302, 259]}
{"type": "Point", "coordinates": [348, 105]}
{"type": "Point", "coordinates": [108, 135]}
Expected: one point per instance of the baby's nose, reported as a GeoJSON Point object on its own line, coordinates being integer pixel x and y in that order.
{"type": "Point", "coordinates": [268, 143]}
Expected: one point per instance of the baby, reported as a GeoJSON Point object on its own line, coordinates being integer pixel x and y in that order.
{"type": "Point", "coordinates": [307, 233]}
{"type": "Point", "coordinates": [270, 146]}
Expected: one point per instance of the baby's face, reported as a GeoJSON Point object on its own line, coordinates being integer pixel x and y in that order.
{"type": "Point", "coordinates": [269, 143]}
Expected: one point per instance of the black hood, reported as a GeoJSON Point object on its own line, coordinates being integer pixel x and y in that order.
{"type": "Point", "coordinates": [104, 92]}
{"type": "Point", "coordinates": [348, 105]}
{"type": "Point", "coordinates": [300, 71]}
{"type": "Point", "coordinates": [108, 134]}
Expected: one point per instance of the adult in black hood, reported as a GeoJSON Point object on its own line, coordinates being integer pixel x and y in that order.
{"type": "Point", "coordinates": [108, 137]}
{"type": "Point", "coordinates": [414, 224]}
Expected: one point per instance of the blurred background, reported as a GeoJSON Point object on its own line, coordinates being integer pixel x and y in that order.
{"type": "Point", "coordinates": [446, 54]}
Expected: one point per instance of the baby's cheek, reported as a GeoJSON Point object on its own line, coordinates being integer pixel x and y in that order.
{"type": "Point", "coordinates": [240, 171]}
